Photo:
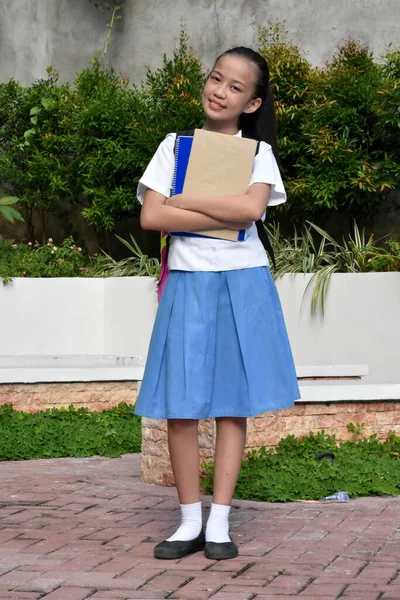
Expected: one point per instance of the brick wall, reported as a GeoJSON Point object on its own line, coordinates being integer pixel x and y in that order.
{"type": "Point", "coordinates": [268, 428]}
{"type": "Point", "coordinates": [95, 395]}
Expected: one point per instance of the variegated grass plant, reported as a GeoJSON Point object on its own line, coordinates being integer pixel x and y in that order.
{"type": "Point", "coordinates": [303, 254]}
{"type": "Point", "coordinates": [137, 264]}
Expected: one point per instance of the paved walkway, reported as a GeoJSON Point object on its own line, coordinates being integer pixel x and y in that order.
{"type": "Point", "coordinates": [72, 529]}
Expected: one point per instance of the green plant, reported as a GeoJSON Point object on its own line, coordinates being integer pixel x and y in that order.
{"type": "Point", "coordinates": [115, 6]}
{"type": "Point", "coordinates": [103, 146]}
{"type": "Point", "coordinates": [338, 125]}
{"type": "Point", "coordinates": [137, 264]}
{"type": "Point", "coordinates": [362, 467]}
{"type": "Point", "coordinates": [356, 430]}
{"type": "Point", "coordinates": [35, 154]}
{"type": "Point", "coordinates": [169, 100]}
{"type": "Point", "coordinates": [47, 260]}
{"type": "Point", "coordinates": [302, 254]}
{"type": "Point", "coordinates": [8, 212]}
{"type": "Point", "coordinates": [68, 432]}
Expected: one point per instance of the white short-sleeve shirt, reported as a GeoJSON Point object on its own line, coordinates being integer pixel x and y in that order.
{"type": "Point", "coordinates": [208, 254]}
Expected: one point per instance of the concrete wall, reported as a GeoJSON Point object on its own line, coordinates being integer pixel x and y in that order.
{"type": "Point", "coordinates": [66, 33]}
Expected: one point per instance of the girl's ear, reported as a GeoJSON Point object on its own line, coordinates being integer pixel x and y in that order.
{"type": "Point", "coordinates": [253, 105]}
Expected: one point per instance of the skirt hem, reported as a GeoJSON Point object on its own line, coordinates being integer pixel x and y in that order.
{"type": "Point", "coordinates": [282, 406]}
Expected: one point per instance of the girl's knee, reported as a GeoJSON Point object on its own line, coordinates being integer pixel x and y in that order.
{"type": "Point", "coordinates": [182, 423]}
{"type": "Point", "coordinates": [234, 420]}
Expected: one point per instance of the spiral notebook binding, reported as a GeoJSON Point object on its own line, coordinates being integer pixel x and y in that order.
{"type": "Point", "coordinates": [176, 164]}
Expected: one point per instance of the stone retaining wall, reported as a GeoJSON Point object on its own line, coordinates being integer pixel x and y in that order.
{"type": "Point", "coordinates": [267, 429]}
{"type": "Point", "coordinates": [95, 395]}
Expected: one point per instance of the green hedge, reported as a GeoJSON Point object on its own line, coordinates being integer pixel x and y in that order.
{"type": "Point", "coordinates": [55, 433]}
{"type": "Point", "coordinates": [86, 144]}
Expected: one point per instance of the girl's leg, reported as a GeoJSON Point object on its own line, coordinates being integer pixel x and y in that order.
{"type": "Point", "coordinates": [229, 449]}
{"type": "Point", "coordinates": [184, 454]}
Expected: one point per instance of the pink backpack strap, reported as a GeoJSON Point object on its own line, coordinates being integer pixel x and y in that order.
{"type": "Point", "coordinates": [164, 271]}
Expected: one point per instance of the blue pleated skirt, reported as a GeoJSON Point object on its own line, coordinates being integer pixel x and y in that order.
{"type": "Point", "coordinates": [219, 348]}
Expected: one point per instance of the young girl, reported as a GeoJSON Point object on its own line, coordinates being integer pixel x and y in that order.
{"type": "Point", "coordinates": [219, 347]}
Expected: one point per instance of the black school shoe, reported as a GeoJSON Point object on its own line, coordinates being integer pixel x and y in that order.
{"type": "Point", "coordinates": [169, 550]}
{"type": "Point", "coordinates": [221, 550]}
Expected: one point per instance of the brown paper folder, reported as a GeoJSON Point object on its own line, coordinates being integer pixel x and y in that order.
{"type": "Point", "coordinates": [219, 165]}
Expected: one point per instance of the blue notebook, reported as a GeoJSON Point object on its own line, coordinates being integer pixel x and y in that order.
{"type": "Point", "coordinates": [182, 156]}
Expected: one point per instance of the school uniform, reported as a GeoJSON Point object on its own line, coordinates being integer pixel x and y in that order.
{"type": "Point", "coordinates": [219, 346]}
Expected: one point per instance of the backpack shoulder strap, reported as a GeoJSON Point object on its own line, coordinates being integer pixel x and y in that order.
{"type": "Point", "coordinates": [250, 138]}
{"type": "Point", "coordinates": [262, 234]}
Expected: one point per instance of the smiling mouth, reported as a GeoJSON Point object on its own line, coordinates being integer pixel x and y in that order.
{"type": "Point", "coordinates": [215, 105]}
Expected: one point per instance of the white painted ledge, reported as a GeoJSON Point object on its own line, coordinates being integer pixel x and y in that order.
{"type": "Point", "coordinates": [358, 392]}
{"type": "Point", "coordinates": [336, 371]}
{"type": "Point", "coordinates": [86, 368]}
{"type": "Point", "coordinates": [68, 368]}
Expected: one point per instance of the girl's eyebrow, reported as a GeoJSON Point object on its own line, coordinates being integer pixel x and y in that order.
{"type": "Point", "coordinates": [233, 80]}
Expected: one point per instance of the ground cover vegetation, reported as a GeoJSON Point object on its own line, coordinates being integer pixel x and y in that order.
{"type": "Point", "coordinates": [55, 433]}
{"type": "Point", "coordinates": [316, 466]}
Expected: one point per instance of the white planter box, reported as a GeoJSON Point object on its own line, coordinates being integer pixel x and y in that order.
{"type": "Point", "coordinates": [361, 323]}
{"type": "Point", "coordinates": [75, 329]}
{"type": "Point", "coordinates": [71, 329]}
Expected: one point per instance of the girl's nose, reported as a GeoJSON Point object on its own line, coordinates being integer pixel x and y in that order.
{"type": "Point", "coordinates": [220, 92]}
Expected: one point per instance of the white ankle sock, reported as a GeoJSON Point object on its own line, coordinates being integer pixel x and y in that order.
{"type": "Point", "coordinates": [191, 523]}
{"type": "Point", "coordinates": [217, 529]}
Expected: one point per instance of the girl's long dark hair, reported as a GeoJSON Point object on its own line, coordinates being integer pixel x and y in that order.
{"type": "Point", "coordinates": [260, 125]}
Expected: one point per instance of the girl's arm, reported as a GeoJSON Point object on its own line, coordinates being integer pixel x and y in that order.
{"type": "Point", "coordinates": [245, 207]}
{"type": "Point", "coordinates": [157, 215]}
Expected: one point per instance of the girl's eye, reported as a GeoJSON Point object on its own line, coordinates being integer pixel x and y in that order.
{"type": "Point", "coordinates": [214, 78]}
{"type": "Point", "coordinates": [236, 88]}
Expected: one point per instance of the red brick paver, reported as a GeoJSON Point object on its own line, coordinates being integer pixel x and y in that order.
{"type": "Point", "coordinates": [73, 529]}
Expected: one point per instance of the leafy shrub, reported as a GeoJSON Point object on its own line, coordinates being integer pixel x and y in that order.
{"type": "Point", "coordinates": [338, 125]}
{"type": "Point", "coordinates": [35, 140]}
{"type": "Point", "coordinates": [48, 260]}
{"type": "Point", "coordinates": [170, 100]}
{"type": "Point", "coordinates": [104, 125]}
{"type": "Point", "coordinates": [54, 433]}
{"type": "Point", "coordinates": [89, 143]}
{"type": "Point", "coordinates": [362, 467]}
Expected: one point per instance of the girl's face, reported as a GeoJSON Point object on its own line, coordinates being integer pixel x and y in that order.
{"type": "Point", "coordinates": [229, 92]}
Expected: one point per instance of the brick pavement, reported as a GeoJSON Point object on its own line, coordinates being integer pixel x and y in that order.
{"type": "Point", "coordinates": [72, 529]}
